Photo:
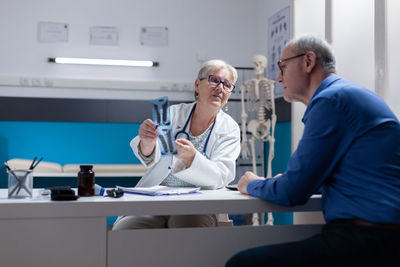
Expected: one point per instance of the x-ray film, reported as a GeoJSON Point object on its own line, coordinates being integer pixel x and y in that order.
{"type": "Point", "coordinates": [162, 118]}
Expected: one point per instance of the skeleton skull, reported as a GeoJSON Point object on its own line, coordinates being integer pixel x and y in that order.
{"type": "Point", "coordinates": [259, 64]}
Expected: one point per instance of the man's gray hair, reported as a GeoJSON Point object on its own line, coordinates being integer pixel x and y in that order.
{"type": "Point", "coordinates": [320, 47]}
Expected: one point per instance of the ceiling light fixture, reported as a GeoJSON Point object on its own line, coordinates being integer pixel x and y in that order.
{"type": "Point", "coordinates": [105, 62]}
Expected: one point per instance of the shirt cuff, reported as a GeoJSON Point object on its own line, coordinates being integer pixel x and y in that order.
{"type": "Point", "coordinates": [149, 159]}
{"type": "Point", "coordinates": [251, 186]}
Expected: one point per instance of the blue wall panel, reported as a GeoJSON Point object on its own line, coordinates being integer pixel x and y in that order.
{"type": "Point", "coordinates": [67, 142]}
{"type": "Point", "coordinates": [282, 148]}
{"type": "Point", "coordinates": [279, 163]}
{"type": "Point", "coordinates": [101, 143]}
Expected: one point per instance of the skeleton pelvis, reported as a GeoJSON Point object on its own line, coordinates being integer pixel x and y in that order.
{"type": "Point", "coordinates": [259, 130]}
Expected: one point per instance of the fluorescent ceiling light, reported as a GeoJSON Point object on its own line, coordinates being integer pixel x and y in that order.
{"type": "Point", "coordinates": [107, 62]}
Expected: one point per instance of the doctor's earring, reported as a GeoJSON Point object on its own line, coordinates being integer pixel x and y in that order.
{"type": "Point", "coordinates": [226, 108]}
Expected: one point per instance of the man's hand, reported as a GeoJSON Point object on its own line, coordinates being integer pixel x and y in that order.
{"type": "Point", "coordinates": [245, 180]}
{"type": "Point", "coordinates": [186, 151]}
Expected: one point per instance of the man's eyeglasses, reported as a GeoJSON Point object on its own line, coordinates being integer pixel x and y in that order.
{"type": "Point", "coordinates": [215, 81]}
{"type": "Point", "coordinates": [287, 59]}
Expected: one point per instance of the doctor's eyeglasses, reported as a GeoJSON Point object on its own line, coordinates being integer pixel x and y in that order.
{"type": "Point", "coordinates": [215, 81]}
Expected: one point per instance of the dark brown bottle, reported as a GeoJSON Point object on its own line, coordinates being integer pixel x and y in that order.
{"type": "Point", "coordinates": [86, 181]}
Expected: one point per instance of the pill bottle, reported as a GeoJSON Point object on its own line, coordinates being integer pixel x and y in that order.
{"type": "Point", "coordinates": [86, 181]}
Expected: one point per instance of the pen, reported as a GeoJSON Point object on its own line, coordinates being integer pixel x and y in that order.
{"type": "Point", "coordinates": [33, 162]}
{"type": "Point", "coordinates": [37, 163]}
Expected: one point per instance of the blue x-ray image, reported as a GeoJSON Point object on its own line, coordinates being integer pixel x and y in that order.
{"type": "Point", "coordinates": [162, 118]}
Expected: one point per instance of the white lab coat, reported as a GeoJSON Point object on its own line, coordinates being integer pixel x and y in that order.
{"type": "Point", "coordinates": [222, 150]}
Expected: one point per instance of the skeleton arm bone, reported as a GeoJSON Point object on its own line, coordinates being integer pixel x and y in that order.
{"type": "Point", "coordinates": [273, 122]}
{"type": "Point", "coordinates": [271, 138]}
{"type": "Point", "coordinates": [253, 154]}
{"type": "Point", "coordinates": [244, 148]}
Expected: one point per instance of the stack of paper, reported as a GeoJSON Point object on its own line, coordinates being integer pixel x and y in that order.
{"type": "Point", "coordinates": [159, 190]}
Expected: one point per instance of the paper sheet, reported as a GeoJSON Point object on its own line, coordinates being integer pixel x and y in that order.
{"type": "Point", "coordinates": [159, 190]}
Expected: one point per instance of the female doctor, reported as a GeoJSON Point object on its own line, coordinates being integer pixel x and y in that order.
{"type": "Point", "coordinates": [208, 144]}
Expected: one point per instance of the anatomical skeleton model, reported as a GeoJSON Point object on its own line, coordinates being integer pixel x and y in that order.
{"type": "Point", "coordinates": [260, 98]}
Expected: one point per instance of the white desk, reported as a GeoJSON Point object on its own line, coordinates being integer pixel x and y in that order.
{"type": "Point", "coordinates": [40, 232]}
{"type": "Point", "coordinates": [53, 175]}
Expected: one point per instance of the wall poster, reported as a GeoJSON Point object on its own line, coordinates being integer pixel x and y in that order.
{"type": "Point", "coordinates": [278, 36]}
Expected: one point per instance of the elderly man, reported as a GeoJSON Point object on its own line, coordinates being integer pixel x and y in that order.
{"type": "Point", "coordinates": [350, 149]}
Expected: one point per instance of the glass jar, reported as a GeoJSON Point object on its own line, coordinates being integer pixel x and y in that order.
{"type": "Point", "coordinates": [86, 181]}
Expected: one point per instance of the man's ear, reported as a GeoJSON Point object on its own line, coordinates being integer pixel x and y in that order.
{"type": "Point", "coordinates": [310, 61]}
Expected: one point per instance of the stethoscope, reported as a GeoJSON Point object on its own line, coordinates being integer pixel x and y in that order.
{"type": "Point", "coordinates": [183, 134]}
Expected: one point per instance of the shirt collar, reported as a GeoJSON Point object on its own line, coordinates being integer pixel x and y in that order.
{"type": "Point", "coordinates": [324, 84]}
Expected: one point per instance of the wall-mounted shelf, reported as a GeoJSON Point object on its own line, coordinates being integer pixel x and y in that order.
{"type": "Point", "coordinates": [35, 86]}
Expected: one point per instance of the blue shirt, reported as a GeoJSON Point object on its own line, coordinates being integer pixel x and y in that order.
{"type": "Point", "coordinates": [350, 149]}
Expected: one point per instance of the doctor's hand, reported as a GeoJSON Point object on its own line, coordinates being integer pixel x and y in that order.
{"type": "Point", "coordinates": [148, 137]}
{"type": "Point", "coordinates": [245, 180]}
{"type": "Point", "coordinates": [186, 151]}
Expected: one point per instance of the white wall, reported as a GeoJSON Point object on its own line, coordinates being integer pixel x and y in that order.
{"type": "Point", "coordinates": [209, 29]}
{"type": "Point", "coordinates": [213, 28]}
{"type": "Point", "coordinates": [265, 9]}
{"type": "Point", "coordinates": [352, 33]}
{"type": "Point", "coordinates": [353, 40]}
{"type": "Point", "coordinates": [392, 93]}
{"type": "Point", "coordinates": [309, 18]}
{"type": "Point", "coordinates": [354, 26]}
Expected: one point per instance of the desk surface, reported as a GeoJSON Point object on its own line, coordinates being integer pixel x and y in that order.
{"type": "Point", "coordinates": [82, 227]}
{"type": "Point", "coordinates": [98, 174]}
{"type": "Point", "coordinates": [204, 202]}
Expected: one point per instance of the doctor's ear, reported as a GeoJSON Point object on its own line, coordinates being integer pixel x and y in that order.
{"type": "Point", "coordinates": [196, 88]}
{"type": "Point", "coordinates": [196, 83]}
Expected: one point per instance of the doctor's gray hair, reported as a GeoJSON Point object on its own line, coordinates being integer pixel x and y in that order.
{"type": "Point", "coordinates": [321, 48]}
{"type": "Point", "coordinates": [213, 66]}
